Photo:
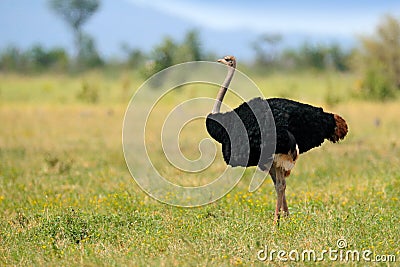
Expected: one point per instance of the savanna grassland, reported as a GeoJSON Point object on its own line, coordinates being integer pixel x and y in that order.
{"type": "Point", "coordinates": [67, 198]}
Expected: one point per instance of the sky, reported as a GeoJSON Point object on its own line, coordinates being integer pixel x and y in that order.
{"type": "Point", "coordinates": [319, 17]}
{"type": "Point", "coordinates": [226, 27]}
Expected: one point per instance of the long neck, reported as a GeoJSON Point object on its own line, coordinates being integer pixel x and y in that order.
{"type": "Point", "coordinates": [222, 91]}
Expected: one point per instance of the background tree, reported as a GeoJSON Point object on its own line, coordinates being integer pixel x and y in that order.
{"type": "Point", "coordinates": [89, 55]}
{"type": "Point", "coordinates": [266, 50]}
{"type": "Point", "coordinates": [76, 13]}
{"type": "Point", "coordinates": [170, 52]}
{"type": "Point", "coordinates": [316, 57]}
{"type": "Point", "coordinates": [339, 58]}
{"type": "Point", "coordinates": [379, 60]}
{"type": "Point", "coordinates": [42, 59]}
{"type": "Point", "coordinates": [13, 59]}
{"type": "Point", "coordinates": [33, 60]}
{"type": "Point", "coordinates": [190, 49]}
{"type": "Point", "coordinates": [134, 57]}
{"type": "Point", "coordinates": [163, 56]}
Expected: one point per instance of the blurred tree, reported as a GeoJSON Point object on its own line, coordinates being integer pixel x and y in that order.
{"type": "Point", "coordinates": [170, 52]}
{"type": "Point", "coordinates": [316, 57]}
{"type": "Point", "coordinates": [89, 55]}
{"type": "Point", "coordinates": [266, 50]}
{"type": "Point", "coordinates": [40, 59]}
{"type": "Point", "coordinates": [164, 54]}
{"type": "Point", "coordinates": [12, 58]}
{"type": "Point", "coordinates": [290, 59]}
{"type": "Point", "coordinates": [135, 58]}
{"type": "Point", "coordinates": [34, 59]}
{"type": "Point", "coordinates": [76, 13]}
{"type": "Point", "coordinates": [162, 57]}
{"type": "Point", "coordinates": [339, 58]}
{"type": "Point", "coordinates": [190, 49]}
{"type": "Point", "coordinates": [379, 60]}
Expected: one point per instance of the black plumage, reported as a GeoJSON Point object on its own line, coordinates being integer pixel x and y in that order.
{"type": "Point", "coordinates": [243, 127]}
{"type": "Point", "coordinates": [307, 124]}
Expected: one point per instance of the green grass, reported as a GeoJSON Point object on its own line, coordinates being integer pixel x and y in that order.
{"type": "Point", "coordinates": [66, 196]}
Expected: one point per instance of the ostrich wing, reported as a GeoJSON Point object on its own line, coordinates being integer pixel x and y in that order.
{"type": "Point", "coordinates": [309, 125]}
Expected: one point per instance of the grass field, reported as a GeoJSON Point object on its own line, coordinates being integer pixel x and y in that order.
{"type": "Point", "coordinates": [67, 198]}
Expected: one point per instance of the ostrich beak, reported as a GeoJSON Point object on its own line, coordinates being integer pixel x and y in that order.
{"type": "Point", "coordinates": [223, 61]}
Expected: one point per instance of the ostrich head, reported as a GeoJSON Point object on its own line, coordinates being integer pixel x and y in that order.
{"type": "Point", "coordinates": [229, 61]}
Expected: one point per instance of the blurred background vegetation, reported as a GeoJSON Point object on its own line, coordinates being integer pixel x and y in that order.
{"type": "Point", "coordinates": [375, 58]}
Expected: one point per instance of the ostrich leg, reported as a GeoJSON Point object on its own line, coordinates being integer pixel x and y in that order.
{"type": "Point", "coordinates": [278, 176]}
{"type": "Point", "coordinates": [285, 206]}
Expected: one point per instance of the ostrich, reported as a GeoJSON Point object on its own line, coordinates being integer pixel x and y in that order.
{"type": "Point", "coordinates": [298, 128]}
